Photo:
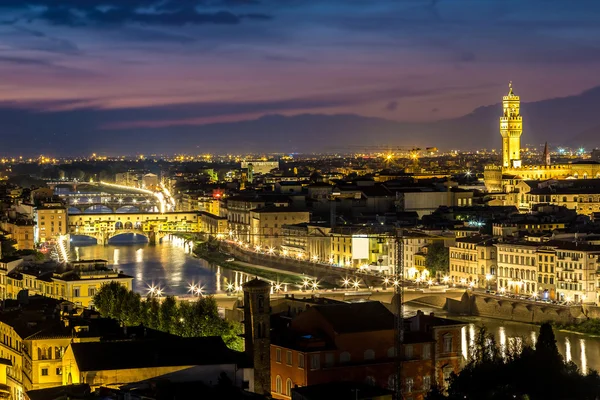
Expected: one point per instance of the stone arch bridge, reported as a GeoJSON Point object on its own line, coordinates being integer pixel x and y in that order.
{"type": "Point", "coordinates": [155, 226]}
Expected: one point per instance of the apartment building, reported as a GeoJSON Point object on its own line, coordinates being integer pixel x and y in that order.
{"type": "Point", "coordinates": [473, 262]}
{"type": "Point", "coordinates": [266, 224]}
{"type": "Point", "coordinates": [51, 221]}
{"type": "Point", "coordinates": [555, 270]}
{"type": "Point", "coordinates": [517, 268]}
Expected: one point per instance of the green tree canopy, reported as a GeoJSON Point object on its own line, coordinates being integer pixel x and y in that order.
{"type": "Point", "coordinates": [186, 319]}
{"type": "Point", "coordinates": [437, 258]}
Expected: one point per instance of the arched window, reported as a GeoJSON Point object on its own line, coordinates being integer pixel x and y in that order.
{"type": "Point", "coordinates": [278, 384]}
{"type": "Point", "coordinates": [288, 387]}
{"type": "Point", "coordinates": [392, 382]}
{"type": "Point", "coordinates": [391, 352]}
{"type": "Point", "coordinates": [369, 354]}
{"type": "Point", "coordinates": [345, 357]}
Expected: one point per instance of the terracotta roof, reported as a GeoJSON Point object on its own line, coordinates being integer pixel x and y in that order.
{"type": "Point", "coordinates": [357, 317]}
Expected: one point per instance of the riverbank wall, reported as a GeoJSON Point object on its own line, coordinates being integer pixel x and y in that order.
{"type": "Point", "coordinates": [324, 273]}
{"type": "Point", "coordinates": [499, 307]}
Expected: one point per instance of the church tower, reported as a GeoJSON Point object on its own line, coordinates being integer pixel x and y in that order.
{"type": "Point", "coordinates": [511, 128]}
{"type": "Point", "coordinates": [257, 332]}
{"type": "Point", "coordinates": [546, 159]}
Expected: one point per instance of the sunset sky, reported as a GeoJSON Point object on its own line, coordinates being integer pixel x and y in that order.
{"type": "Point", "coordinates": [126, 64]}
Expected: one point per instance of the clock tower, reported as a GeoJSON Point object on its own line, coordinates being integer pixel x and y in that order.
{"type": "Point", "coordinates": [511, 128]}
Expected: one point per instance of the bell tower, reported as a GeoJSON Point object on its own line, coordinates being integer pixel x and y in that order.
{"type": "Point", "coordinates": [511, 128]}
{"type": "Point", "coordinates": [257, 332]}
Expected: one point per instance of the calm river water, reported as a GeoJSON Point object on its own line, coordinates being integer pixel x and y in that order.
{"type": "Point", "coordinates": [170, 266]}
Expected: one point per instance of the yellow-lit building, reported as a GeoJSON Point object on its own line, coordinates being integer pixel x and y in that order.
{"type": "Point", "coordinates": [51, 222]}
{"type": "Point", "coordinates": [22, 231]}
{"type": "Point", "coordinates": [213, 224]}
{"type": "Point", "coordinates": [500, 178]}
{"type": "Point", "coordinates": [266, 224]}
{"type": "Point", "coordinates": [517, 267]}
{"type": "Point", "coordinates": [77, 286]}
{"type": "Point", "coordinates": [354, 247]}
{"type": "Point", "coordinates": [18, 373]}
{"type": "Point", "coordinates": [473, 262]}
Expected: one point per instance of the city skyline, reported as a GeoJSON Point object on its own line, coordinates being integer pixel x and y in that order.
{"type": "Point", "coordinates": [104, 76]}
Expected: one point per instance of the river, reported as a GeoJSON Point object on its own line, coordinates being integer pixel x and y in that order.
{"type": "Point", "coordinates": [171, 266]}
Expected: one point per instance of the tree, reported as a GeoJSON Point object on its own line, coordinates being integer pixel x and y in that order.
{"type": "Point", "coordinates": [186, 319]}
{"type": "Point", "coordinates": [532, 374]}
{"type": "Point", "coordinates": [167, 314]}
{"type": "Point", "coordinates": [437, 258]}
{"type": "Point", "coordinates": [7, 247]}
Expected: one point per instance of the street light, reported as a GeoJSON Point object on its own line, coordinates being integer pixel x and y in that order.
{"type": "Point", "coordinates": [305, 284]}
{"type": "Point", "coordinates": [346, 282]}
{"type": "Point", "coordinates": [488, 278]}
{"type": "Point", "coordinates": [446, 279]}
{"type": "Point", "coordinates": [356, 284]}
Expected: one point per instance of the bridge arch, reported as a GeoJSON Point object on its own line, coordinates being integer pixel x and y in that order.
{"type": "Point", "coordinates": [129, 236]}
{"type": "Point", "coordinates": [82, 238]}
{"type": "Point", "coordinates": [97, 208]}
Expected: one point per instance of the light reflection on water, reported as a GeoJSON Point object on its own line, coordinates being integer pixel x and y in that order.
{"type": "Point", "coordinates": [583, 350]}
{"type": "Point", "coordinates": [168, 265]}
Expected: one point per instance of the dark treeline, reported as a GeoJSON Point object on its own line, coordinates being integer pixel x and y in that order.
{"type": "Point", "coordinates": [538, 373]}
{"type": "Point", "coordinates": [187, 319]}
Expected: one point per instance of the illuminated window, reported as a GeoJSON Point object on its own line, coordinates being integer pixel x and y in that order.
{"type": "Point", "coordinates": [278, 384]}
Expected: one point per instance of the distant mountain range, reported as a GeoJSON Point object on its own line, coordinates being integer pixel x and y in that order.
{"type": "Point", "coordinates": [572, 121]}
{"type": "Point", "coordinates": [568, 121]}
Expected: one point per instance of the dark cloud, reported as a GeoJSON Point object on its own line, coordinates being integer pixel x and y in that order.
{"type": "Point", "coordinates": [24, 61]}
{"type": "Point", "coordinates": [391, 106]}
{"type": "Point", "coordinates": [75, 13]}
